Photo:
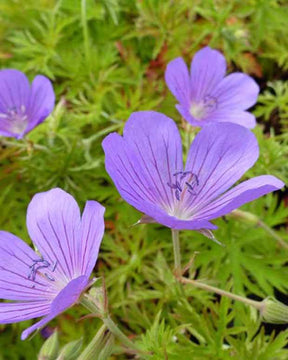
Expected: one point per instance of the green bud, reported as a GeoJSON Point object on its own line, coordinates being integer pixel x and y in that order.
{"type": "Point", "coordinates": [96, 301]}
{"type": "Point", "coordinates": [274, 312]}
{"type": "Point", "coordinates": [245, 216]}
{"type": "Point", "coordinates": [50, 348]}
{"type": "Point", "coordinates": [100, 347]}
{"type": "Point", "coordinates": [71, 351]}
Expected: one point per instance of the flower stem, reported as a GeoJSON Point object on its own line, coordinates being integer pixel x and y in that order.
{"type": "Point", "coordinates": [256, 304]}
{"type": "Point", "coordinates": [114, 329]}
{"type": "Point", "coordinates": [89, 303]}
{"type": "Point", "coordinates": [177, 253]}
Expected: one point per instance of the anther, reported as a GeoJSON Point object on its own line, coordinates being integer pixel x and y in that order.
{"type": "Point", "coordinates": [49, 277]}
{"type": "Point", "coordinates": [54, 266]}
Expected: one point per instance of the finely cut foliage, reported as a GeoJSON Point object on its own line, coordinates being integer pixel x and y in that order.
{"type": "Point", "coordinates": [107, 59]}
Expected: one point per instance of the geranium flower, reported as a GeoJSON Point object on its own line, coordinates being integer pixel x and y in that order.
{"type": "Point", "coordinates": [146, 166]}
{"type": "Point", "coordinates": [48, 284]}
{"type": "Point", "coordinates": [23, 107]}
{"type": "Point", "coordinates": [206, 95]}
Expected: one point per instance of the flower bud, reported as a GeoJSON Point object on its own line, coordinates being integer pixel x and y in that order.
{"type": "Point", "coordinates": [274, 311]}
{"type": "Point", "coordinates": [100, 347]}
{"type": "Point", "coordinates": [71, 351]}
{"type": "Point", "coordinates": [245, 216]}
{"type": "Point", "coordinates": [49, 349]}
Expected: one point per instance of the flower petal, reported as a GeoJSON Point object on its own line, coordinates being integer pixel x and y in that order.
{"type": "Point", "coordinates": [241, 194]}
{"type": "Point", "coordinates": [236, 91]}
{"type": "Point", "coordinates": [92, 230]}
{"type": "Point", "coordinates": [16, 258]}
{"type": "Point", "coordinates": [20, 311]}
{"type": "Point", "coordinates": [142, 163]}
{"type": "Point", "coordinates": [239, 117]}
{"type": "Point", "coordinates": [53, 222]}
{"type": "Point", "coordinates": [208, 68]}
{"type": "Point", "coordinates": [220, 154]}
{"type": "Point", "coordinates": [41, 102]}
{"type": "Point", "coordinates": [65, 299]}
{"type": "Point", "coordinates": [178, 80]}
{"type": "Point", "coordinates": [14, 89]}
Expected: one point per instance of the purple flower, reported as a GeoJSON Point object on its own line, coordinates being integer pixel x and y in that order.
{"type": "Point", "coordinates": [23, 107]}
{"type": "Point", "coordinates": [146, 166]}
{"type": "Point", "coordinates": [48, 284]}
{"type": "Point", "coordinates": [206, 95]}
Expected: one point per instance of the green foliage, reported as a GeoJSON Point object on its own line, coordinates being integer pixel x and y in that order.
{"type": "Point", "coordinates": [107, 59]}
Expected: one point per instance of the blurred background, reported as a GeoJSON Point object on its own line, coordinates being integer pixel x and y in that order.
{"type": "Point", "coordinates": [106, 59]}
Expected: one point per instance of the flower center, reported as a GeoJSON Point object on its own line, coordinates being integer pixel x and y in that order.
{"type": "Point", "coordinates": [184, 186]}
{"type": "Point", "coordinates": [16, 118]}
{"type": "Point", "coordinates": [203, 108]}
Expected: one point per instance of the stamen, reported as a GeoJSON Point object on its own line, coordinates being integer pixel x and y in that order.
{"type": "Point", "coordinates": [49, 277]}
{"type": "Point", "coordinates": [172, 186]}
{"type": "Point", "coordinates": [190, 183]}
{"type": "Point", "coordinates": [190, 188]}
{"type": "Point", "coordinates": [40, 264]}
{"type": "Point", "coordinates": [210, 102]}
{"type": "Point", "coordinates": [54, 266]}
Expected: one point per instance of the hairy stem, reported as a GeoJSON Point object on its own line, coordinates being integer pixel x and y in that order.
{"type": "Point", "coordinates": [114, 329]}
{"type": "Point", "coordinates": [177, 253]}
{"type": "Point", "coordinates": [89, 303]}
{"type": "Point", "coordinates": [256, 304]}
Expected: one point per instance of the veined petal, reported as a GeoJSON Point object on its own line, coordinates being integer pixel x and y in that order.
{"type": "Point", "coordinates": [53, 222]}
{"type": "Point", "coordinates": [65, 299]}
{"type": "Point", "coordinates": [208, 68]}
{"type": "Point", "coordinates": [92, 230]}
{"type": "Point", "coordinates": [142, 163]}
{"type": "Point", "coordinates": [41, 101]}
{"type": "Point", "coordinates": [178, 224]}
{"type": "Point", "coordinates": [14, 90]}
{"type": "Point", "coordinates": [178, 80]}
{"type": "Point", "coordinates": [243, 118]}
{"type": "Point", "coordinates": [236, 91]}
{"type": "Point", "coordinates": [220, 154]}
{"type": "Point", "coordinates": [241, 194]}
{"type": "Point", "coordinates": [20, 311]}
{"type": "Point", "coordinates": [16, 259]}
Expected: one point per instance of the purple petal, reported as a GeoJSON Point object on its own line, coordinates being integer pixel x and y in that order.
{"type": "Point", "coordinates": [41, 102]}
{"type": "Point", "coordinates": [178, 224]}
{"type": "Point", "coordinates": [20, 311]}
{"type": "Point", "coordinates": [236, 91]}
{"type": "Point", "coordinates": [241, 194]}
{"type": "Point", "coordinates": [14, 93]}
{"type": "Point", "coordinates": [65, 299]}
{"type": "Point", "coordinates": [14, 89]}
{"type": "Point", "coordinates": [16, 257]}
{"type": "Point", "coordinates": [142, 163]}
{"type": "Point", "coordinates": [92, 230]}
{"type": "Point", "coordinates": [208, 68]}
{"type": "Point", "coordinates": [239, 117]}
{"type": "Point", "coordinates": [220, 154]}
{"type": "Point", "coordinates": [178, 80]}
{"type": "Point", "coordinates": [53, 222]}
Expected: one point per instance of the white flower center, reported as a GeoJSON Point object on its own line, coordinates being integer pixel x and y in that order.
{"type": "Point", "coordinates": [198, 111]}
{"type": "Point", "coordinates": [16, 119]}
{"type": "Point", "coordinates": [184, 186]}
{"type": "Point", "coordinates": [203, 108]}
